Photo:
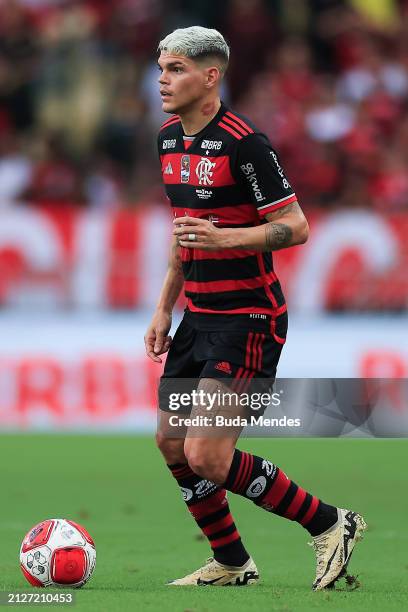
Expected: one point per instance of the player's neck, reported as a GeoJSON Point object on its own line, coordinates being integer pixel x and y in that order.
{"type": "Point", "coordinates": [195, 119]}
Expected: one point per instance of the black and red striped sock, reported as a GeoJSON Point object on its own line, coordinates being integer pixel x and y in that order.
{"type": "Point", "coordinates": [209, 506]}
{"type": "Point", "coordinates": [268, 487]}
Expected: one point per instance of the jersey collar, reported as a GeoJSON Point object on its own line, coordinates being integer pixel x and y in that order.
{"type": "Point", "coordinates": [222, 110]}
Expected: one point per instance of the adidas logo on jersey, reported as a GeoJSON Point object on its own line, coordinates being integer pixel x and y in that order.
{"type": "Point", "coordinates": [169, 169]}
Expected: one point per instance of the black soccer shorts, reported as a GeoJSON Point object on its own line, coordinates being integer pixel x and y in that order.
{"type": "Point", "coordinates": [243, 360]}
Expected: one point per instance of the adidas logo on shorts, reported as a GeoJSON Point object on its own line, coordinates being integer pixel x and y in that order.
{"type": "Point", "coordinates": [224, 366]}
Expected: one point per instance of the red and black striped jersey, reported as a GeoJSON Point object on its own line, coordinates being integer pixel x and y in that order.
{"type": "Point", "coordinates": [230, 174]}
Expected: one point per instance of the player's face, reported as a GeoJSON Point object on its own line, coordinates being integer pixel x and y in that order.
{"type": "Point", "coordinates": [182, 82]}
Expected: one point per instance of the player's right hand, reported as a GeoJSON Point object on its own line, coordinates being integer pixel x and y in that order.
{"type": "Point", "coordinates": [157, 341]}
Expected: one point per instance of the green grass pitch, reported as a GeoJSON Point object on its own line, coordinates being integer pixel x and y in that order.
{"type": "Point", "coordinates": [118, 487]}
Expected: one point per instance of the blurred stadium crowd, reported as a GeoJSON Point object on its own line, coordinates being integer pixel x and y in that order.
{"type": "Point", "coordinates": [327, 80]}
{"type": "Point", "coordinates": [84, 223]}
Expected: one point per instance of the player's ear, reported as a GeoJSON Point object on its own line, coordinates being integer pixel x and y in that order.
{"type": "Point", "coordinates": [212, 76]}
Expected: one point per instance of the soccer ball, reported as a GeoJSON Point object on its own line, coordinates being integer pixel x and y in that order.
{"type": "Point", "coordinates": [57, 552]}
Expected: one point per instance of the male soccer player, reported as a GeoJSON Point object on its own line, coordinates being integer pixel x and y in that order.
{"type": "Point", "coordinates": [233, 206]}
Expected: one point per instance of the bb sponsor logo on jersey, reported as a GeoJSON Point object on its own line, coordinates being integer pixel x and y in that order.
{"type": "Point", "coordinates": [249, 172]}
{"type": "Point", "coordinates": [185, 169]}
{"type": "Point", "coordinates": [204, 194]}
{"type": "Point", "coordinates": [256, 487]}
{"type": "Point", "coordinates": [204, 171]}
{"type": "Point", "coordinates": [169, 144]}
{"type": "Point", "coordinates": [211, 145]}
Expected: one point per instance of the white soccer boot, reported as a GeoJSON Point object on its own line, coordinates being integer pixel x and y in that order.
{"type": "Point", "coordinates": [216, 574]}
{"type": "Point", "coordinates": [334, 548]}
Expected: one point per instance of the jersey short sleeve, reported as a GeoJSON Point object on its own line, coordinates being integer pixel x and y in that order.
{"type": "Point", "coordinates": [256, 167]}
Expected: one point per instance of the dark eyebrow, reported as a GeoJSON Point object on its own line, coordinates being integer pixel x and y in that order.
{"type": "Point", "coordinates": [173, 64]}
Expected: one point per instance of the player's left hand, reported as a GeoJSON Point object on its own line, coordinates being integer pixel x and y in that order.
{"type": "Point", "coordinates": [207, 236]}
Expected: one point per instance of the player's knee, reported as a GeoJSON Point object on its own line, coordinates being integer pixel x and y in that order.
{"type": "Point", "coordinates": [171, 449]}
{"type": "Point", "coordinates": [204, 465]}
{"type": "Point", "coordinates": [201, 466]}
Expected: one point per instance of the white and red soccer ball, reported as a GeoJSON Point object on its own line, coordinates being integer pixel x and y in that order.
{"type": "Point", "coordinates": [57, 552]}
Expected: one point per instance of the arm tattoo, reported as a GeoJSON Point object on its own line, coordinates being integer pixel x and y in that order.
{"type": "Point", "coordinates": [175, 256]}
{"type": "Point", "coordinates": [278, 236]}
{"type": "Point", "coordinates": [289, 208]}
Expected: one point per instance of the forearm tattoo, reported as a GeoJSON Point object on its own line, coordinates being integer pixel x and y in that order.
{"type": "Point", "coordinates": [175, 257]}
{"type": "Point", "coordinates": [278, 236]}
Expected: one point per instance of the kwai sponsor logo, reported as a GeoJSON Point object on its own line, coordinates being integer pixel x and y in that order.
{"type": "Point", "coordinates": [250, 174]}
{"type": "Point", "coordinates": [255, 187]}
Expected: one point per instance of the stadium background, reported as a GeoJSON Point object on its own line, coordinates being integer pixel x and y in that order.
{"type": "Point", "coordinates": [84, 224]}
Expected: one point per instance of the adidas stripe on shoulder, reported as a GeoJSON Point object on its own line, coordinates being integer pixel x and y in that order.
{"type": "Point", "coordinates": [236, 126]}
{"type": "Point", "coordinates": [174, 119]}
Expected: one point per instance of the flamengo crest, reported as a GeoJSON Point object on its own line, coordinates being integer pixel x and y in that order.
{"type": "Point", "coordinates": [204, 171]}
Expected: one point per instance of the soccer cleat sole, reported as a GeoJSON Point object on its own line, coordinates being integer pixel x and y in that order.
{"type": "Point", "coordinates": [352, 581]}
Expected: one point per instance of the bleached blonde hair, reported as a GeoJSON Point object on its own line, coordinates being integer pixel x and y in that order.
{"type": "Point", "coordinates": [197, 43]}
